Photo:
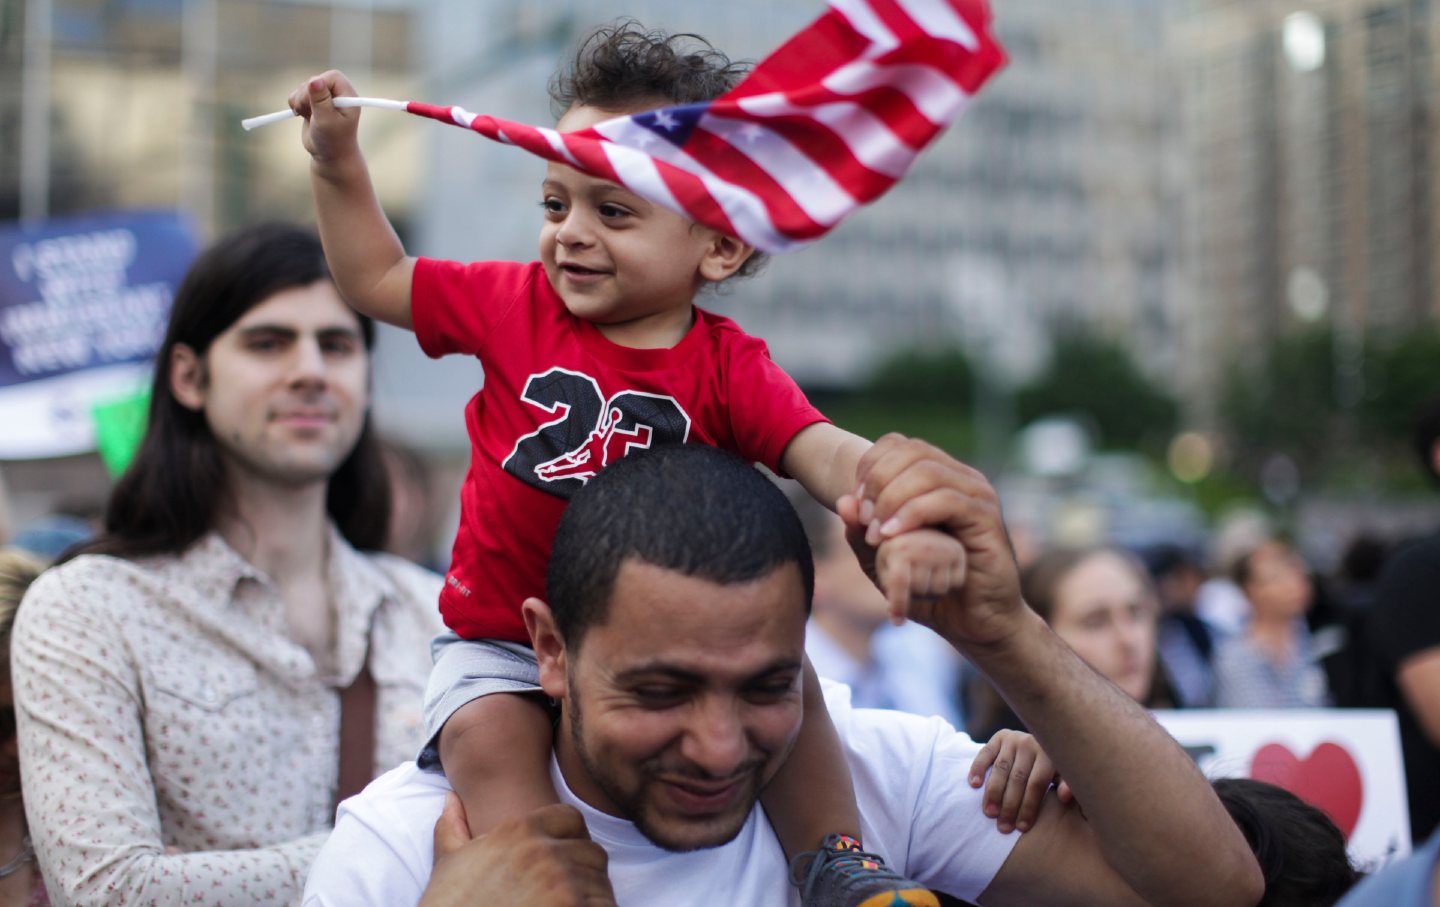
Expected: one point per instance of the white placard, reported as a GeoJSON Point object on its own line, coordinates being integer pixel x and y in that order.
{"type": "Point", "coordinates": [1345, 761]}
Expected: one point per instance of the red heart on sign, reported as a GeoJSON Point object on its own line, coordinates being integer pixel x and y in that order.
{"type": "Point", "coordinates": [1328, 779]}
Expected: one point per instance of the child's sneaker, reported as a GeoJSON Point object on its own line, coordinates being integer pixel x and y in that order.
{"type": "Point", "coordinates": [843, 875]}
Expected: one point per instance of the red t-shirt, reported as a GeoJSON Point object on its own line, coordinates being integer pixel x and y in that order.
{"type": "Point", "coordinates": [560, 401]}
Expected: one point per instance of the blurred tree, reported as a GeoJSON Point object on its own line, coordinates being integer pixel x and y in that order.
{"type": "Point", "coordinates": [1286, 401]}
{"type": "Point", "coordinates": [1283, 401]}
{"type": "Point", "coordinates": [1097, 379]}
{"type": "Point", "coordinates": [1401, 375]}
{"type": "Point", "coordinates": [942, 376]}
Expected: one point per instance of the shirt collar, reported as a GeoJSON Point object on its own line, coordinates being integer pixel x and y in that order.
{"type": "Point", "coordinates": [357, 587]}
{"type": "Point", "coordinates": [214, 569]}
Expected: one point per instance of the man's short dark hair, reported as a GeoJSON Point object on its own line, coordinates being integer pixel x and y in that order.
{"type": "Point", "coordinates": [1425, 436]}
{"type": "Point", "coordinates": [626, 67]}
{"type": "Point", "coordinates": [692, 509]}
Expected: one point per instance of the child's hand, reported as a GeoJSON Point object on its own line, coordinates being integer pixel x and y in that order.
{"type": "Point", "coordinates": [921, 563]}
{"type": "Point", "coordinates": [1020, 774]}
{"type": "Point", "coordinates": [329, 132]}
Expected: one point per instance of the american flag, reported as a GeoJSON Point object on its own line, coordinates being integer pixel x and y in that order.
{"type": "Point", "coordinates": [825, 124]}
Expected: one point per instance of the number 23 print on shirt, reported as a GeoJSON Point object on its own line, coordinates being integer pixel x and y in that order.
{"type": "Point", "coordinates": [589, 431]}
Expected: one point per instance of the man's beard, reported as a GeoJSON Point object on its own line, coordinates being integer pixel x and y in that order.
{"type": "Point", "coordinates": [633, 804]}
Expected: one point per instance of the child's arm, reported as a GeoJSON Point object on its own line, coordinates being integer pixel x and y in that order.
{"type": "Point", "coordinates": [824, 459]}
{"type": "Point", "coordinates": [365, 256]}
{"type": "Point", "coordinates": [1020, 774]}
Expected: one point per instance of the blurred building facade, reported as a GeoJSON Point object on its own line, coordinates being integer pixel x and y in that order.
{"type": "Point", "coordinates": [1054, 202]}
{"type": "Point", "coordinates": [1186, 176]}
{"type": "Point", "coordinates": [146, 96]}
{"type": "Point", "coordinates": [1310, 142]}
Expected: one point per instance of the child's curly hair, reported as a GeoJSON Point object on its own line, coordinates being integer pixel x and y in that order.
{"type": "Point", "coordinates": [627, 67]}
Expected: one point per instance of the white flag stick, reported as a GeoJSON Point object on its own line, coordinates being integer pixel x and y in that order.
{"type": "Point", "coordinates": [267, 118]}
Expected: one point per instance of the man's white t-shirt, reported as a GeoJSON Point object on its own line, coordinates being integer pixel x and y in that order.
{"type": "Point", "coordinates": [917, 810]}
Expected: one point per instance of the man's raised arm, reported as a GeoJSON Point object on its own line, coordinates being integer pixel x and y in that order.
{"type": "Point", "coordinates": [1152, 831]}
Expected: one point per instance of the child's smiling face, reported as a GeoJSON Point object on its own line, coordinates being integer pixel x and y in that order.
{"type": "Point", "coordinates": [624, 263]}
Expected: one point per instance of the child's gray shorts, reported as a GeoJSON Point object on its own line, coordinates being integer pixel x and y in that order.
{"type": "Point", "coordinates": [467, 669]}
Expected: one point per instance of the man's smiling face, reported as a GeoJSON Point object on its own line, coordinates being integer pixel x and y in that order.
{"type": "Point", "coordinates": [684, 702]}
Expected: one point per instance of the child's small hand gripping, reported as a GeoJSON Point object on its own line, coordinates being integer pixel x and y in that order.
{"type": "Point", "coordinates": [914, 568]}
{"type": "Point", "coordinates": [1019, 775]}
{"type": "Point", "coordinates": [329, 133]}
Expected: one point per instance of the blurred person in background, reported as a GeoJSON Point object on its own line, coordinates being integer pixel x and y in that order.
{"type": "Point", "coordinates": [1273, 663]}
{"type": "Point", "coordinates": [1100, 602]}
{"type": "Point", "coordinates": [20, 881]}
{"type": "Point", "coordinates": [201, 683]}
{"type": "Point", "coordinates": [1185, 640]}
{"type": "Point", "coordinates": [1401, 641]}
{"type": "Point", "coordinates": [850, 638]}
{"type": "Point", "coordinates": [1219, 602]}
{"type": "Point", "coordinates": [50, 536]}
{"type": "Point", "coordinates": [1411, 882]}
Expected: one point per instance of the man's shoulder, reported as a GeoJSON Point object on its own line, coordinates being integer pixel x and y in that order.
{"type": "Point", "coordinates": [881, 736]}
{"type": "Point", "coordinates": [911, 776]}
{"type": "Point", "coordinates": [403, 790]}
{"type": "Point", "coordinates": [901, 755]}
{"type": "Point", "coordinates": [400, 808]}
{"type": "Point", "coordinates": [382, 848]}
{"type": "Point", "coordinates": [101, 573]}
{"type": "Point", "coordinates": [109, 595]}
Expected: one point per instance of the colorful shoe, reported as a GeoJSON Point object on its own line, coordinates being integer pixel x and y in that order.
{"type": "Point", "coordinates": [840, 874]}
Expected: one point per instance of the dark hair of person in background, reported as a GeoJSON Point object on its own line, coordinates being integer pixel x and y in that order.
{"type": "Point", "coordinates": [720, 520]}
{"type": "Point", "coordinates": [1300, 850]}
{"type": "Point", "coordinates": [625, 66]}
{"type": "Point", "coordinates": [167, 498]}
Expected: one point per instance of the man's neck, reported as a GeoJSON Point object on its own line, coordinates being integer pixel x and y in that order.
{"type": "Point", "coordinates": [284, 533]}
{"type": "Point", "coordinates": [281, 532]}
{"type": "Point", "coordinates": [574, 774]}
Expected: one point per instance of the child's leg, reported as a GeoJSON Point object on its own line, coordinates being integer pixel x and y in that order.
{"type": "Point", "coordinates": [495, 751]}
{"type": "Point", "coordinates": [812, 795]}
{"type": "Point", "coordinates": [811, 805]}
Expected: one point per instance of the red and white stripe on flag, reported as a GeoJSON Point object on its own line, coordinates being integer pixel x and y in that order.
{"type": "Point", "coordinates": [825, 124]}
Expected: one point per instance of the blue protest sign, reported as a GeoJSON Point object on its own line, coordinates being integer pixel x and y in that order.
{"type": "Point", "coordinates": [83, 306]}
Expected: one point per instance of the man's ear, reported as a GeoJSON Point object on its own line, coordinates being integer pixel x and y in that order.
{"type": "Point", "coordinates": [549, 646]}
{"type": "Point", "coordinates": [724, 257]}
{"type": "Point", "coordinates": [187, 377]}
